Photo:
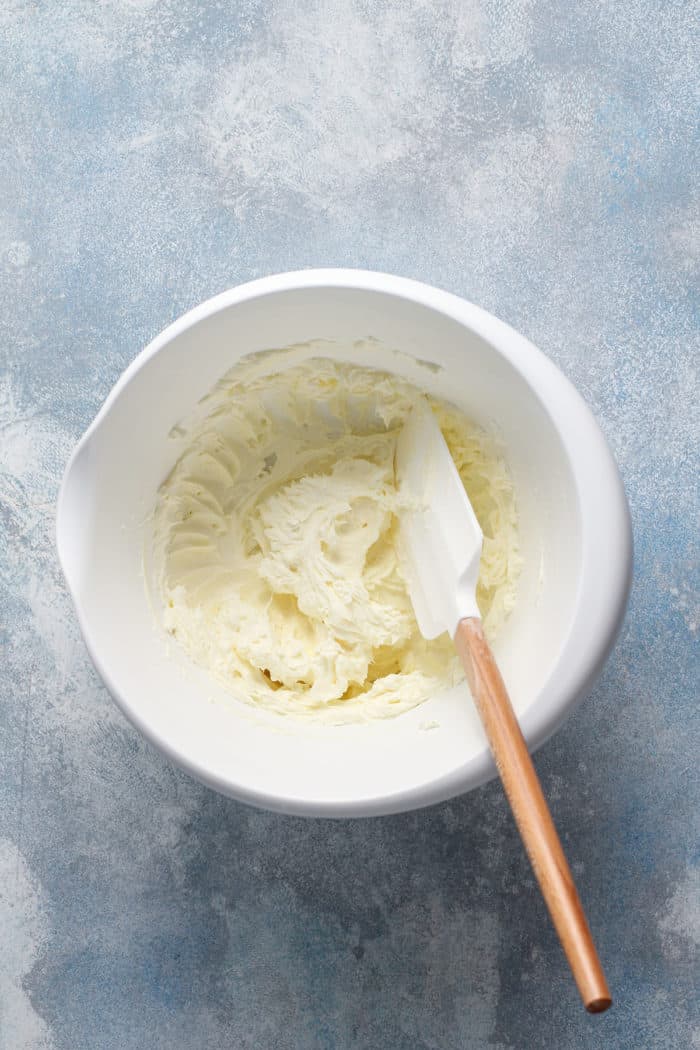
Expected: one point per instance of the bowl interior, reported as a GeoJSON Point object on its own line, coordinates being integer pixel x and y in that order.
{"type": "Point", "coordinates": [110, 490]}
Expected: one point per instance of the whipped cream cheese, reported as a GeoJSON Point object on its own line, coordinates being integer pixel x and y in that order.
{"type": "Point", "coordinates": [274, 541]}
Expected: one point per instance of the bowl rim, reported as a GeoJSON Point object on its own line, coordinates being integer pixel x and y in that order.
{"type": "Point", "coordinates": [606, 548]}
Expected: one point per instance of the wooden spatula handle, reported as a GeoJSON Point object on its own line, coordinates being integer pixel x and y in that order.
{"type": "Point", "coordinates": [531, 813]}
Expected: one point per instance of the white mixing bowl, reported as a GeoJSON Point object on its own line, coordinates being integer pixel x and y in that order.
{"type": "Point", "coordinates": [575, 540]}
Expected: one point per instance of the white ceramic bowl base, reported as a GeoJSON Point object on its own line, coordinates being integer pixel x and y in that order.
{"type": "Point", "coordinates": [574, 522]}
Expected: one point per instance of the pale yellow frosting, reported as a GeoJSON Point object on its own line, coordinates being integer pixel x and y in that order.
{"type": "Point", "coordinates": [274, 541]}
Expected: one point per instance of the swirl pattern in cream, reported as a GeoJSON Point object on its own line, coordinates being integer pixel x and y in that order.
{"type": "Point", "coordinates": [274, 541]}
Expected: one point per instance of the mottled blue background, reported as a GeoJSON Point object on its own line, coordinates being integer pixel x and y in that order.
{"type": "Point", "coordinates": [536, 157]}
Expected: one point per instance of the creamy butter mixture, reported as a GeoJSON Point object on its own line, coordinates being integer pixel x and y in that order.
{"type": "Point", "coordinates": [275, 541]}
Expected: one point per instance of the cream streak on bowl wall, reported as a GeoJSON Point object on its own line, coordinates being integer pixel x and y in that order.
{"type": "Point", "coordinates": [274, 540]}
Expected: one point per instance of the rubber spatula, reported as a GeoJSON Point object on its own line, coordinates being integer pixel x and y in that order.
{"type": "Point", "coordinates": [440, 545]}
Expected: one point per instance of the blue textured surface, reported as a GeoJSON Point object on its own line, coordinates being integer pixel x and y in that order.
{"type": "Point", "coordinates": [537, 158]}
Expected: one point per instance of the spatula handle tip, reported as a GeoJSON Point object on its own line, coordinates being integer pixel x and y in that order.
{"type": "Point", "coordinates": [600, 1005]}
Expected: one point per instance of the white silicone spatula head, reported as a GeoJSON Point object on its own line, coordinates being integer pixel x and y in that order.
{"type": "Point", "coordinates": [440, 538]}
